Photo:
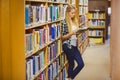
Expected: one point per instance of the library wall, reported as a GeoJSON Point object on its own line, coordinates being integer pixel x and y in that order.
{"type": "Point", "coordinates": [115, 40]}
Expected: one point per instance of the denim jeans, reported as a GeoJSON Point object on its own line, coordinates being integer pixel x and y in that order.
{"type": "Point", "coordinates": [73, 54]}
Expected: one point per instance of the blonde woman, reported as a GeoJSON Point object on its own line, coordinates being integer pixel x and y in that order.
{"type": "Point", "coordinates": [69, 29]}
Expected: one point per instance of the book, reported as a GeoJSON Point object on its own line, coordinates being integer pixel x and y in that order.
{"type": "Point", "coordinates": [29, 69]}
{"type": "Point", "coordinates": [52, 51]}
{"type": "Point", "coordinates": [54, 31]}
{"type": "Point", "coordinates": [42, 76]}
{"type": "Point", "coordinates": [81, 29]}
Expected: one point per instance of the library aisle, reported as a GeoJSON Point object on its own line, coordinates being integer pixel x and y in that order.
{"type": "Point", "coordinates": [97, 63]}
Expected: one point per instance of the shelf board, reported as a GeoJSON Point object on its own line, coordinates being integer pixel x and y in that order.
{"type": "Point", "coordinates": [60, 70]}
{"type": "Point", "coordinates": [45, 1]}
{"type": "Point", "coordinates": [96, 27]}
{"type": "Point", "coordinates": [42, 24]}
{"type": "Point", "coordinates": [46, 66]}
{"type": "Point", "coordinates": [98, 44]}
{"type": "Point", "coordinates": [58, 2]}
{"type": "Point", "coordinates": [81, 14]}
{"type": "Point", "coordinates": [81, 4]}
{"type": "Point", "coordinates": [53, 41]}
{"type": "Point", "coordinates": [34, 26]}
{"type": "Point", "coordinates": [83, 23]}
{"type": "Point", "coordinates": [39, 73]}
{"type": "Point", "coordinates": [95, 36]}
{"type": "Point", "coordinates": [82, 42]}
{"type": "Point", "coordinates": [34, 52]}
{"type": "Point", "coordinates": [54, 59]}
{"type": "Point", "coordinates": [36, 1]}
{"type": "Point", "coordinates": [101, 11]}
{"type": "Point", "coordinates": [86, 5]}
{"type": "Point", "coordinates": [96, 19]}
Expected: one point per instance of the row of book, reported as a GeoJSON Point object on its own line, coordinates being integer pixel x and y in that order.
{"type": "Point", "coordinates": [82, 2]}
{"type": "Point", "coordinates": [96, 23]}
{"type": "Point", "coordinates": [63, 1]}
{"type": "Point", "coordinates": [83, 19]}
{"type": "Point", "coordinates": [53, 50]}
{"type": "Point", "coordinates": [41, 14]}
{"type": "Point", "coordinates": [94, 41]}
{"type": "Point", "coordinates": [37, 62]}
{"type": "Point", "coordinates": [95, 33]}
{"type": "Point", "coordinates": [73, 1]}
{"type": "Point", "coordinates": [83, 10]}
{"type": "Point", "coordinates": [83, 46]}
{"type": "Point", "coordinates": [62, 75]}
{"type": "Point", "coordinates": [34, 64]}
{"type": "Point", "coordinates": [83, 37]}
{"type": "Point", "coordinates": [54, 31]}
{"type": "Point", "coordinates": [37, 38]}
{"type": "Point", "coordinates": [55, 67]}
{"type": "Point", "coordinates": [96, 15]}
{"type": "Point", "coordinates": [42, 76]}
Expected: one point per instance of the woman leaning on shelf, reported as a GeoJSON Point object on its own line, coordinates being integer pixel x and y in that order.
{"type": "Point", "coordinates": [69, 29]}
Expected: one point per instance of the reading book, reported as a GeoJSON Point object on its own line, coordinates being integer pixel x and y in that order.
{"type": "Point", "coordinates": [81, 29]}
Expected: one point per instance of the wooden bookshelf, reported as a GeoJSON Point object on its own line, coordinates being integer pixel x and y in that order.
{"type": "Point", "coordinates": [97, 25]}
{"type": "Point", "coordinates": [12, 58]}
{"type": "Point", "coordinates": [83, 20]}
{"type": "Point", "coordinates": [52, 42]}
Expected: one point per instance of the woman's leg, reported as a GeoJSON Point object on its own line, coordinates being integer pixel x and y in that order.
{"type": "Point", "coordinates": [80, 63]}
{"type": "Point", "coordinates": [70, 58]}
{"type": "Point", "coordinates": [70, 66]}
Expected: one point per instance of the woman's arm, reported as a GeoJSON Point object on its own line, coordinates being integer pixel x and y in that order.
{"type": "Point", "coordinates": [66, 36]}
{"type": "Point", "coordinates": [69, 35]}
{"type": "Point", "coordinates": [65, 30]}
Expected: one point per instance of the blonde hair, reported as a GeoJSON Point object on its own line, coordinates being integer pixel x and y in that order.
{"type": "Point", "coordinates": [68, 19]}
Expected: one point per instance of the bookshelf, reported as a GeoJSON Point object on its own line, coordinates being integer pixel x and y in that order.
{"type": "Point", "coordinates": [43, 53]}
{"type": "Point", "coordinates": [97, 23]}
{"type": "Point", "coordinates": [83, 22]}
{"type": "Point", "coordinates": [43, 38]}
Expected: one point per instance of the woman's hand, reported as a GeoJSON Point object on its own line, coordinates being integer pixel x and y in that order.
{"type": "Point", "coordinates": [74, 32]}
{"type": "Point", "coordinates": [70, 34]}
